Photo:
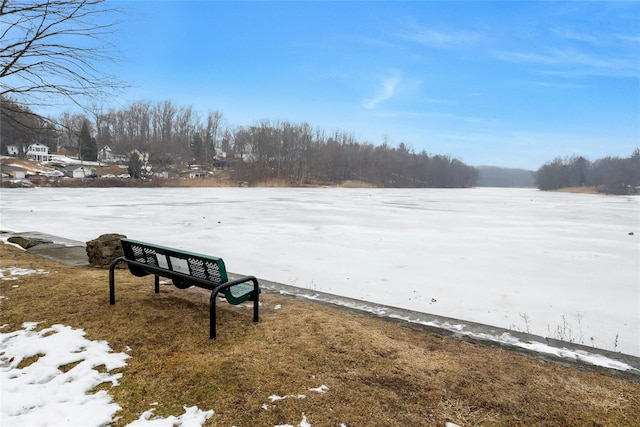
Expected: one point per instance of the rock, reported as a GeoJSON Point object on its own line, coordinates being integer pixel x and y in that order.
{"type": "Point", "coordinates": [103, 250]}
{"type": "Point", "coordinates": [27, 242]}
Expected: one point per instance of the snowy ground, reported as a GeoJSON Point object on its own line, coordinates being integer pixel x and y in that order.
{"type": "Point", "coordinates": [551, 264]}
{"type": "Point", "coordinates": [55, 388]}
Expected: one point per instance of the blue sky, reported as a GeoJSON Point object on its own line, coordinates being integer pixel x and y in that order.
{"type": "Point", "coordinates": [511, 84]}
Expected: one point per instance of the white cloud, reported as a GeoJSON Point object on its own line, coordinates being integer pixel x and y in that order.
{"type": "Point", "coordinates": [572, 61]}
{"type": "Point", "coordinates": [386, 91]}
{"type": "Point", "coordinates": [438, 38]}
{"type": "Point", "coordinates": [579, 37]}
{"type": "Point", "coordinates": [635, 38]}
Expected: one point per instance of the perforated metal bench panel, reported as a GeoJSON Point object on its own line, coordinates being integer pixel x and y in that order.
{"type": "Point", "coordinates": [238, 294]}
{"type": "Point", "coordinates": [197, 265]}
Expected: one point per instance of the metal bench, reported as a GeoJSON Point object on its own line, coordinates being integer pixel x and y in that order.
{"type": "Point", "coordinates": [186, 269]}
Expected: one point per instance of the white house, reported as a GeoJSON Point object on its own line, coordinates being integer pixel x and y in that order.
{"type": "Point", "coordinates": [15, 172]}
{"type": "Point", "coordinates": [38, 152]}
{"type": "Point", "coordinates": [105, 154]}
{"type": "Point", "coordinates": [199, 174]}
{"type": "Point", "coordinates": [82, 172]}
{"type": "Point", "coordinates": [13, 150]}
{"type": "Point", "coordinates": [78, 171]}
{"type": "Point", "coordinates": [220, 154]}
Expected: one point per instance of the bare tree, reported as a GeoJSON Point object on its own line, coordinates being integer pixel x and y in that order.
{"type": "Point", "coordinates": [163, 121]}
{"type": "Point", "coordinates": [53, 49]}
{"type": "Point", "coordinates": [211, 134]}
{"type": "Point", "coordinates": [185, 124]}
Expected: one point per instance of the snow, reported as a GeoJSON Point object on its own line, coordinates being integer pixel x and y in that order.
{"type": "Point", "coordinates": [551, 264]}
{"type": "Point", "coordinates": [42, 394]}
{"type": "Point", "coordinates": [192, 417]}
{"type": "Point", "coordinates": [303, 423]}
{"type": "Point", "coordinates": [541, 263]}
{"type": "Point", "coordinates": [322, 389]}
{"type": "Point", "coordinates": [48, 375]}
{"type": "Point", "coordinates": [12, 273]}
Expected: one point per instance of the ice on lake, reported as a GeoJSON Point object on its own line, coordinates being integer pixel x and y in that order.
{"type": "Point", "coordinates": [552, 264]}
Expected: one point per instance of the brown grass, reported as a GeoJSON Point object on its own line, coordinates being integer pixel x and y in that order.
{"type": "Point", "coordinates": [581, 190]}
{"type": "Point", "coordinates": [378, 372]}
{"type": "Point", "coordinates": [355, 184]}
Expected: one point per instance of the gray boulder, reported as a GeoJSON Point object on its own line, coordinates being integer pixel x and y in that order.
{"type": "Point", "coordinates": [27, 242]}
{"type": "Point", "coordinates": [103, 250]}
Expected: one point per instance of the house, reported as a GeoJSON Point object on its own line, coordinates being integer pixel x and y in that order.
{"type": "Point", "coordinates": [38, 152]}
{"type": "Point", "coordinates": [15, 172]}
{"type": "Point", "coordinates": [220, 154]}
{"type": "Point", "coordinates": [105, 154]}
{"type": "Point", "coordinates": [248, 157]}
{"type": "Point", "coordinates": [195, 172]}
{"type": "Point", "coordinates": [78, 171]}
{"type": "Point", "coordinates": [199, 174]}
{"type": "Point", "coordinates": [13, 150]}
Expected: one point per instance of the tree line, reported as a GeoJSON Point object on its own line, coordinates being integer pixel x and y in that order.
{"type": "Point", "coordinates": [613, 175]}
{"type": "Point", "coordinates": [172, 137]}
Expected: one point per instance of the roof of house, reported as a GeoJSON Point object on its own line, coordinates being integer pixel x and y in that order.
{"type": "Point", "coordinates": [13, 168]}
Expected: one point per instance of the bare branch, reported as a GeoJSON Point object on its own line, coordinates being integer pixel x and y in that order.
{"type": "Point", "coordinates": [56, 49]}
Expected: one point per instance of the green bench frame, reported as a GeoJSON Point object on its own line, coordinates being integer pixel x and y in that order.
{"type": "Point", "coordinates": [186, 269]}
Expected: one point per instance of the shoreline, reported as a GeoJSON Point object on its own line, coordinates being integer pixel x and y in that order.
{"type": "Point", "coordinates": [590, 359]}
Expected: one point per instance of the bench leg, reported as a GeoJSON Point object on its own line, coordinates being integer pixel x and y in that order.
{"type": "Point", "coordinates": [112, 287]}
{"type": "Point", "coordinates": [256, 303]}
{"type": "Point", "coordinates": [212, 316]}
{"type": "Point", "coordinates": [157, 283]}
{"type": "Point", "coordinates": [112, 280]}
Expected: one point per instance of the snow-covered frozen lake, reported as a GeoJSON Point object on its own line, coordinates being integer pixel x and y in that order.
{"type": "Point", "coordinates": [551, 264]}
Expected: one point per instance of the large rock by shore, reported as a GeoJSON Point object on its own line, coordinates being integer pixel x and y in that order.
{"type": "Point", "coordinates": [27, 241]}
{"type": "Point", "coordinates": [103, 250]}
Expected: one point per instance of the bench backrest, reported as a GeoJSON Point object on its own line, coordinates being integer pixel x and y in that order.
{"type": "Point", "coordinates": [197, 265]}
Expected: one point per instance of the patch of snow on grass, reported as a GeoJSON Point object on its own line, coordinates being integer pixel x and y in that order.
{"type": "Point", "coordinates": [35, 391]}
{"type": "Point", "coordinates": [506, 338]}
{"type": "Point", "coordinates": [47, 377]}
{"type": "Point", "coordinates": [275, 397]}
{"type": "Point", "coordinates": [192, 417]}
{"type": "Point", "coordinates": [12, 273]}
{"type": "Point", "coordinates": [303, 423]}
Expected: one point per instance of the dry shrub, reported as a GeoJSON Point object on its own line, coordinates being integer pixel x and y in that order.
{"type": "Point", "coordinates": [581, 190]}
{"type": "Point", "coordinates": [274, 182]}
{"type": "Point", "coordinates": [355, 184]}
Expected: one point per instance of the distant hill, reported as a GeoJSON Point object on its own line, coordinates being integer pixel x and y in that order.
{"type": "Point", "coordinates": [493, 176]}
